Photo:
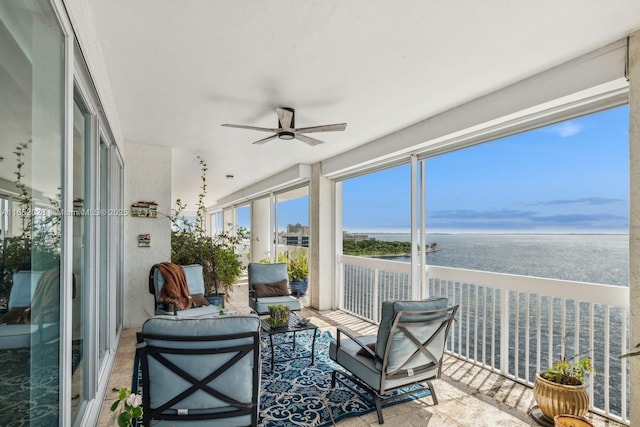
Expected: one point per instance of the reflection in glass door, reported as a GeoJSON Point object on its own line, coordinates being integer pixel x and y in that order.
{"type": "Point", "coordinates": [31, 145]}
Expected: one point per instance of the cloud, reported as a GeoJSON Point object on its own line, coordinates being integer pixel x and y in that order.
{"type": "Point", "coordinates": [592, 201]}
{"type": "Point", "coordinates": [565, 129]}
{"type": "Point", "coordinates": [481, 215]}
{"type": "Point", "coordinates": [512, 219]}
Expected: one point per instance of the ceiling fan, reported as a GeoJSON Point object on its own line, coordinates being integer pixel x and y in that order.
{"type": "Point", "coordinates": [286, 128]}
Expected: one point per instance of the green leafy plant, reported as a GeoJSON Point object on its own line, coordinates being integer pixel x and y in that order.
{"type": "Point", "coordinates": [298, 267]}
{"type": "Point", "coordinates": [297, 263]}
{"type": "Point", "coordinates": [279, 315]}
{"type": "Point", "coordinates": [128, 407]}
{"type": "Point", "coordinates": [191, 244]}
{"type": "Point", "coordinates": [568, 372]}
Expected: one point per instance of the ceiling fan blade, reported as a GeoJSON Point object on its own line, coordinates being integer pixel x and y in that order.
{"type": "Point", "coordinates": [308, 139]}
{"type": "Point", "coordinates": [284, 117]}
{"type": "Point", "coordinates": [324, 128]}
{"type": "Point", "coordinates": [269, 138]}
{"type": "Point", "coordinates": [251, 128]}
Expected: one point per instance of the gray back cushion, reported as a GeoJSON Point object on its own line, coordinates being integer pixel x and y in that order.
{"type": "Point", "coordinates": [23, 287]}
{"type": "Point", "coordinates": [267, 273]}
{"type": "Point", "coordinates": [389, 310]}
{"type": "Point", "coordinates": [193, 274]}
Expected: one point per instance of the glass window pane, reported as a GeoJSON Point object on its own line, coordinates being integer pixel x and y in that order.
{"type": "Point", "coordinates": [292, 236]}
{"type": "Point", "coordinates": [31, 140]}
{"type": "Point", "coordinates": [551, 202]}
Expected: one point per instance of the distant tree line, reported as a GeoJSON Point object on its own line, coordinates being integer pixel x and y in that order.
{"type": "Point", "coordinates": [379, 247]}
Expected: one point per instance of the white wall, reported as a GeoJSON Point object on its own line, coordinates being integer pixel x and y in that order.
{"type": "Point", "coordinates": [82, 21]}
{"type": "Point", "coordinates": [147, 177]}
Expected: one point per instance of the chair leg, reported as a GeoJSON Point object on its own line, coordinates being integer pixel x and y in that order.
{"type": "Point", "coordinates": [433, 392]}
{"type": "Point", "coordinates": [378, 409]}
{"type": "Point", "coordinates": [333, 379]}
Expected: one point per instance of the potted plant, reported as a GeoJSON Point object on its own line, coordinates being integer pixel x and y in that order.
{"type": "Point", "coordinates": [562, 388]}
{"type": "Point", "coordinates": [298, 269]}
{"type": "Point", "coordinates": [279, 315]}
{"type": "Point", "coordinates": [218, 254]}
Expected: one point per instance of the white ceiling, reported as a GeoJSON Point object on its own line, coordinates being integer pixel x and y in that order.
{"type": "Point", "coordinates": [178, 70]}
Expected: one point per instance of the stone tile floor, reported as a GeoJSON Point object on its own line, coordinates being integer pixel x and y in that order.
{"type": "Point", "coordinates": [468, 394]}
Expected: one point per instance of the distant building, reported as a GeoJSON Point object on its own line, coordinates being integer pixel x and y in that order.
{"type": "Point", "coordinates": [355, 237]}
{"type": "Point", "coordinates": [291, 239]}
{"type": "Point", "coordinates": [296, 235]}
{"type": "Point", "coordinates": [298, 229]}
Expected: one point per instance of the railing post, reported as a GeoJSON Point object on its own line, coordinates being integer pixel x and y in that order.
{"type": "Point", "coordinates": [339, 291]}
{"type": "Point", "coordinates": [375, 297]}
{"type": "Point", "coordinates": [504, 331]}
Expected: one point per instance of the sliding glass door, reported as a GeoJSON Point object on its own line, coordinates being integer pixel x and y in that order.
{"type": "Point", "coordinates": [31, 145]}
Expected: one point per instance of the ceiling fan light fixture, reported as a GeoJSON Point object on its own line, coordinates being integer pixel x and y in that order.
{"type": "Point", "coordinates": [286, 135]}
{"type": "Point", "coordinates": [287, 130]}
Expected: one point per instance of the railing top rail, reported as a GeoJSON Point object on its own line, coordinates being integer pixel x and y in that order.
{"type": "Point", "coordinates": [579, 291]}
{"type": "Point", "coordinates": [379, 263]}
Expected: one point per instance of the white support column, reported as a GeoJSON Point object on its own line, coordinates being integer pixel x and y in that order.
{"type": "Point", "coordinates": [260, 229]}
{"type": "Point", "coordinates": [415, 241]}
{"type": "Point", "coordinates": [634, 219]}
{"type": "Point", "coordinates": [228, 219]}
{"type": "Point", "coordinates": [338, 291]}
{"type": "Point", "coordinates": [322, 243]}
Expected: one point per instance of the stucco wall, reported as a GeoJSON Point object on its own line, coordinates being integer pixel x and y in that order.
{"type": "Point", "coordinates": [147, 178]}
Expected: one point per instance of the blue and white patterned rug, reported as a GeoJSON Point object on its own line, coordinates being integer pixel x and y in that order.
{"type": "Point", "coordinates": [298, 394]}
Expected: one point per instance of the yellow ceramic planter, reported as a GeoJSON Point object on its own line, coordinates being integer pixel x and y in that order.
{"type": "Point", "coordinates": [558, 399]}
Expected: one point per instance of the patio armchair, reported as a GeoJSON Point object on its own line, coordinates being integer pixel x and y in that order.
{"type": "Point", "coordinates": [405, 355]}
{"type": "Point", "coordinates": [200, 371]}
{"type": "Point", "coordinates": [268, 285]}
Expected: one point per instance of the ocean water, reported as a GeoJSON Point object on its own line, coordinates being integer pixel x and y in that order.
{"type": "Point", "coordinates": [594, 258]}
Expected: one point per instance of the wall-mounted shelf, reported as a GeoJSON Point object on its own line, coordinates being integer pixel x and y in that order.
{"type": "Point", "coordinates": [143, 209]}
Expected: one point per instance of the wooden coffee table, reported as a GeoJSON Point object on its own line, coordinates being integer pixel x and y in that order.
{"type": "Point", "coordinates": [294, 327]}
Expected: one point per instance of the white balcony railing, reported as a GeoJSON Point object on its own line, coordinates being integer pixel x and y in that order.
{"type": "Point", "coordinates": [515, 325]}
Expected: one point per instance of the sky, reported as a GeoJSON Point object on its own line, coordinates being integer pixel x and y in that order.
{"type": "Point", "coordinates": [571, 177]}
